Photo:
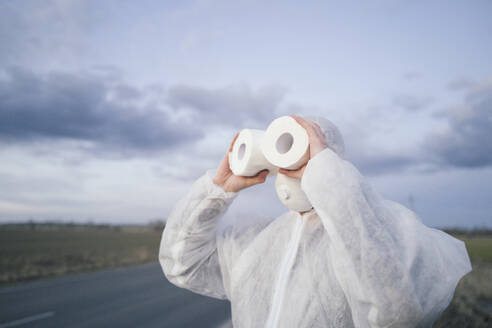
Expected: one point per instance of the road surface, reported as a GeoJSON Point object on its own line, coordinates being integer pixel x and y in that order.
{"type": "Point", "coordinates": [138, 296]}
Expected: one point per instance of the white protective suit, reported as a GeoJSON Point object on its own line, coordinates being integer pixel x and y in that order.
{"type": "Point", "coordinates": [355, 259]}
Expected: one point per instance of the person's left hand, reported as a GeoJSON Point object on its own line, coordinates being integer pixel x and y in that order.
{"type": "Point", "coordinates": [226, 179]}
{"type": "Point", "coordinates": [317, 143]}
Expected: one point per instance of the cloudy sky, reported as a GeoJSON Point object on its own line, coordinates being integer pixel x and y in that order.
{"type": "Point", "coordinates": [109, 110]}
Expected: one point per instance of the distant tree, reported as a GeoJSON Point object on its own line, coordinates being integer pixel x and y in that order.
{"type": "Point", "coordinates": [157, 224]}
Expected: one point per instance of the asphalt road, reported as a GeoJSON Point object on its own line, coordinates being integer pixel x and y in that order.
{"type": "Point", "coordinates": [127, 297]}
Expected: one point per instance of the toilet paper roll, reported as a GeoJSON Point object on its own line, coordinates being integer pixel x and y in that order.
{"type": "Point", "coordinates": [290, 193]}
{"type": "Point", "coordinates": [286, 143]}
{"type": "Point", "coordinates": [246, 157]}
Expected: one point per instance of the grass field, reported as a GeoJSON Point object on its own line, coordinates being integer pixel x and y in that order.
{"type": "Point", "coordinates": [27, 253]}
{"type": "Point", "coordinates": [472, 302]}
{"type": "Point", "coordinates": [30, 253]}
{"type": "Point", "coordinates": [479, 248]}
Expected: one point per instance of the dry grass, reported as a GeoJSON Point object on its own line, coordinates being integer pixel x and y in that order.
{"type": "Point", "coordinates": [27, 253]}
{"type": "Point", "coordinates": [472, 302]}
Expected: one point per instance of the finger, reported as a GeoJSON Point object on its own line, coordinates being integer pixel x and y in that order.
{"type": "Point", "coordinates": [320, 132]}
{"type": "Point", "coordinates": [260, 177]}
{"type": "Point", "coordinates": [297, 174]}
{"type": "Point", "coordinates": [290, 174]}
{"type": "Point", "coordinates": [263, 174]}
{"type": "Point", "coordinates": [313, 128]}
{"type": "Point", "coordinates": [233, 141]}
{"type": "Point", "coordinates": [224, 164]}
{"type": "Point", "coordinates": [304, 123]}
{"type": "Point", "coordinates": [301, 121]}
{"type": "Point", "coordinates": [318, 129]}
{"type": "Point", "coordinates": [314, 125]}
{"type": "Point", "coordinates": [286, 172]}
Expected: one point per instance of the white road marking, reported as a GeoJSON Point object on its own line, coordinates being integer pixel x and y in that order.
{"type": "Point", "coordinates": [27, 319]}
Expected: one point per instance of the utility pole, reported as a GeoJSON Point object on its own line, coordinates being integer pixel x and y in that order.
{"type": "Point", "coordinates": [411, 202]}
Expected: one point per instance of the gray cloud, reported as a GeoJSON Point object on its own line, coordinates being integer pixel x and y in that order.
{"type": "Point", "coordinates": [467, 142]}
{"type": "Point", "coordinates": [378, 163]}
{"type": "Point", "coordinates": [460, 84]}
{"type": "Point", "coordinates": [33, 33]}
{"type": "Point", "coordinates": [126, 92]}
{"type": "Point", "coordinates": [412, 102]}
{"type": "Point", "coordinates": [233, 105]}
{"type": "Point", "coordinates": [68, 106]}
{"type": "Point", "coordinates": [464, 143]}
{"type": "Point", "coordinates": [412, 75]}
{"type": "Point", "coordinates": [112, 117]}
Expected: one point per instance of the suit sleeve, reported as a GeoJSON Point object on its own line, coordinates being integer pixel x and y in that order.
{"type": "Point", "coordinates": [189, 247]}
{"type": "Point", "coordinates": [394, 271]}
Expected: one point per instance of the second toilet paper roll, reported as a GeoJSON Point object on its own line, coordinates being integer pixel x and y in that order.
{"type": "Point", "coordinates": [246, 157]}
{"type": "Point", "coordinates": [286, 143]}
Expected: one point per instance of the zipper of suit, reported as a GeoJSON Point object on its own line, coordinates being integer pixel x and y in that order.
{"type": "Point", "coordinates": [285, 268]}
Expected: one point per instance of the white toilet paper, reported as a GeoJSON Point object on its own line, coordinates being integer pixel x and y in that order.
{"type": "Point", "coordinates": [290, 193]}
{"type": "Point", "coordinates": [246, 157]}
{"type": "Point", "coordinates": [286, 143]}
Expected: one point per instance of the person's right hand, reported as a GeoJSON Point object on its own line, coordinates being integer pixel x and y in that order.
{"type": "Point", "coordinates": [233, 183]}
{"type": "Point", "coordinates": [317, 143]}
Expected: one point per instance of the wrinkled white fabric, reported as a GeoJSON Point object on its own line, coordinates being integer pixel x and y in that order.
{"type": "Point", "coordinates": [333, 137]}
{"type": "Point", "coordinates": [354, 260]}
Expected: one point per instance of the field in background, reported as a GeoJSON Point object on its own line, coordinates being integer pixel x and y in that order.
{"type": "Point", "coordinates": [479, 247]}
{"type": "Point", "coordinates": [36, 251]}
{"type": "Point", "coordinates": [472, 302]}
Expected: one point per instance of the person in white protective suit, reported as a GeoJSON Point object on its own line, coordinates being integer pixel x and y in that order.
{"type": "Point", "coordinates": [353, 260]}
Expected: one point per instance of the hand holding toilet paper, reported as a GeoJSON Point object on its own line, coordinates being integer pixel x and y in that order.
{"type": "Point", "coordinates": [230, 182]}
{"type": "Point", "coordinates": [284, 145]}
{"type": "Point", "coordinates": [246, 158]}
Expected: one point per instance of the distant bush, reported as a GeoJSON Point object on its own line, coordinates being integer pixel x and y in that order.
{"type": "Point", "coordinates": [55, 225]}
{"type": "Point", "coordinates": [475, 232]}
{"type": "Point", "coordinates": [157, 225]}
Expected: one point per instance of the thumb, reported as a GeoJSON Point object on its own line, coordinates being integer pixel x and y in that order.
{"type": "Point", "coordinates": [260, 177]}
{"type": "Point", "coordinates": [297, 174]}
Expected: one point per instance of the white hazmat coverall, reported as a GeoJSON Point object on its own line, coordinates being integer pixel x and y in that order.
{"type": "Point", "coordinates": [354, 260]}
